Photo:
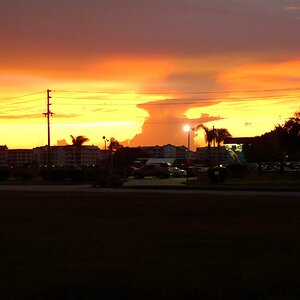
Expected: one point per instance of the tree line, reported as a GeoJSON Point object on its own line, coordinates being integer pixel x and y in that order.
{"type": "Point", "coordinates": [280, 144]}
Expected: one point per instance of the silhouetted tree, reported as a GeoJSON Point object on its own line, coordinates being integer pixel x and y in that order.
{"type": "Point", "coordinates": [282, 142]}
{"type": "Point", "coordinates": [114, 145]}
{"type": "Point", "coordinates": [214, 135]}
{"type": "Point", "coordinates": [124, 158]}
{"type": "Point", "coordinates": [292, 125]}
{"type": "Point", "coordinates": [79, 140]}
{"type": "Point", "coordinates": [210, 136]}
{"type": "Point", "coordinates": [220, 135]}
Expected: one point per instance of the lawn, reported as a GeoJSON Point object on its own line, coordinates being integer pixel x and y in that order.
{"type": "Point", "coordinates": [148, 246]}
{"type": "Point", "coordinates": [272, 181]}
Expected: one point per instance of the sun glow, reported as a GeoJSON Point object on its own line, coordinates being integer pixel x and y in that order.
{"type": "Point", "coordinates": [121, 95]}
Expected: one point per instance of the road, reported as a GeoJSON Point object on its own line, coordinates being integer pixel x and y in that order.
{"type": "Point", "coordinates": [147, 185]}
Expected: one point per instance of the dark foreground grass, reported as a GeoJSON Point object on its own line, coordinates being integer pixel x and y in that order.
{"type": "Point", "coordinates": [148, 246]}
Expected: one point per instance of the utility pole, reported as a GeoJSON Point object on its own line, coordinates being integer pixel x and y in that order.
{"type": "Point", "coordinates": [48, 114]}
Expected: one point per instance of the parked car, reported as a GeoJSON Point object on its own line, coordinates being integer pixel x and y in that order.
{"type": "Point", "coordinates": [177, 172]}
{"type": "Point", "coordinates": [161, 170]}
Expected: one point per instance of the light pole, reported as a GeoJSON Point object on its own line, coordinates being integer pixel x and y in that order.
{"type": "Point", "coordinates": [187, 129]}
{"type": "Point", "coordinates": [105, 140]}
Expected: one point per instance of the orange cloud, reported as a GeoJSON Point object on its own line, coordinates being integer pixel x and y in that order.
{"type": "Point", "coordinates": [110, 69]}
{"type": "Point", "coordinates": [132, 69]}
{"type": "Point", "coordinates": [165, 124]}
{"type": "Point", "coordinates": [262, 76]}
{"type": "Point", "coordinates": [259, 97]}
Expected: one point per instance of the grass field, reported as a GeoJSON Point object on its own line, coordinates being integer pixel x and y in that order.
{"type": "Point", "coordinates": [148, 246]}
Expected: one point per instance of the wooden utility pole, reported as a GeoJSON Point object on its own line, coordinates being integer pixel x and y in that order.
{"type": "Point", "coordinates": [48, 114]}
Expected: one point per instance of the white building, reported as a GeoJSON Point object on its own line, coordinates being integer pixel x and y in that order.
{"type": "Point", "coordinates": [68, 156]}
{"type": "Point", "coordinates": [19, 157]}
{"type": "Point", "coordinates": [166, 151]}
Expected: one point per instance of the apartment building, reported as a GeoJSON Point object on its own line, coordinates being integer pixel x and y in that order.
{"type": "Point", "coordinates": [19, 157]}
{"type": "Point", "coordinates": [68, 156]}
{"type": "Point", "coordinates": [166, 151]}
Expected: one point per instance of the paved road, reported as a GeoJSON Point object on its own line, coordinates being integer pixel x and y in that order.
{"type": "Point", "coordinates": [165, 186]}
{"type": "Point", "coordinates": [150, 181]}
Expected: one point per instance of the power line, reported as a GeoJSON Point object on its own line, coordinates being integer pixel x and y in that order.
{"type": "Point", "coordinates": [21, 96]}
{"type": "Point", "coordinates": [20, 102]}
{"type": "Point", "coordinates": [158, 93]}
{"type": "Point", "coordinates": [18, 109]}
{"type": "Point", "coordinates": [174, 93]}
{"type": "Point", "coordinates": [176, 99]}
{"type": "Point", "coordinates": [156, 102]}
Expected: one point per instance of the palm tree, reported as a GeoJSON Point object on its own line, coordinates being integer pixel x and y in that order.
{"type": "Point", "coordinates": [79, 140]}
{"type": "Point", "coordinates": [113, 146]}
{"type": "Point", "coordinates": [221, 135]}
{"type": "Point", "coordinates": [214, 135]}
{"type": "Point", "coordinates": [77, 143]}
{"type": "Point", "coordinates": [210, 136]}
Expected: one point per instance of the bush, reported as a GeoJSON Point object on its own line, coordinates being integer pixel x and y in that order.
{"type": "Point", "coordinates": [4, 174]}
{"type": "Point", "coordinates": [23, 173]}
{"type": "Point", "coordinates": [217, 174]}
{"type": "Point", "coordinates": [237, 170]}
{"type": "Point", "coordinates": [77, 175]}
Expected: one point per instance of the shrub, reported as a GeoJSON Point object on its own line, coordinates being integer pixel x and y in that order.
{"type": "Point", "coordinates": [237, 170]}
{"type": "Point", "coordinates": [217, 174]}
{"type": "Point", "coordinates": [4, 174]}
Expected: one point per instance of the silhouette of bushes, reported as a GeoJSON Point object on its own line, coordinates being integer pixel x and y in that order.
{"type": "Point", "coordinates": [81, 175]}
{"type": "Point", "coordinates": [237, 170]}
{"type": "Point", "coordinates": [216, 174]}
{"type": "Point", "coordinates": [23, 173]}
{"type": "Point", "coordinates": [4, 174]}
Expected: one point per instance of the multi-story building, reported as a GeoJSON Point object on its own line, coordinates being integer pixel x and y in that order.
{"type": "Point", "coordinates": [213, 156]}
{"type": "Point", "coordinates": [19, 157]}
{"type": "Point", "coordinates": [3, 156]}
{"type": "Point", "coordinates": [181, 152]}
{"type": "Point", "coordinates": [68, 156]}
{"type": "Point", "coordinates": [166, 151]}
{"type": "Point", "coordinates": [231, 152]}
{"type": "Point", "coordinates": [72, 156]}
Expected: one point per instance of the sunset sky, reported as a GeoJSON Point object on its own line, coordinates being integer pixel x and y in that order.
{"type": "Point", "coordinates": [138, 70]}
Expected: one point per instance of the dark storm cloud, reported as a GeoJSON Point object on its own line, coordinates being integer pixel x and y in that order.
{"type": "Point", "coordinates": [136, 27]}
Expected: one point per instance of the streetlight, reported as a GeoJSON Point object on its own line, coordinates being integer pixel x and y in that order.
{"type": "Point", "coordinates": [105, 140]}
{"type": "Point", "coordinates": [187, 129]}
